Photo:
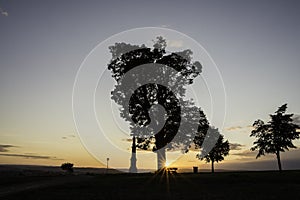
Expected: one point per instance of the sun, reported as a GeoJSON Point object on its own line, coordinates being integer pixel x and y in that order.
{"type": "Point", "coordinates": [167, 164]}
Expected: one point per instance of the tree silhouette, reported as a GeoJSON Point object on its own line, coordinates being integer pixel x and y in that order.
{"type": "Point", "coordinates": [142, 101]}
{"type": "Point", "coordinates": [217, 153]}
{"type": "Point", "coordinates": [275, 136]}
{"type": "Point", "coordinates": [67, 166]}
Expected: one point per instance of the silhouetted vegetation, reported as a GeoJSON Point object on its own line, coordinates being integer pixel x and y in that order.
{"type": "Point", "coordinates": [276, 135]}
{"type": "Point", "coordinates": [146, 96]}
{"type": "Point", "coordinates": [219, 150]}
{"type": "Point", "coordinates": [67, 167]}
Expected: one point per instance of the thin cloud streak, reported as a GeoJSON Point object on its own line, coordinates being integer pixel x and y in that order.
{"type": "Point", "coordinates": [239, 128]}
{"type": "Point", "coordinates": [234, 128]}
{"type": "Point", "coordinates": [32, 156]}
{"type": "Point", "coordinates": [5, 147]}
{"type": "Point", "coordinates": [246, 153]}
{"type": "Point", "coordinates": [236, 146]}
{"type": "Point", "coordinates": [68, 137]}
{"type": "Point", "coordinates": [291, 154]}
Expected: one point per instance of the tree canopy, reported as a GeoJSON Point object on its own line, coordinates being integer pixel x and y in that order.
{"type": "Point", "coordinates": [140, 98]}
{"type": "Point", "coordinates": [67, 166]}
{"type": "Point", "coordinates": [219, 150]}
{"type": "Point", "coordinates": [275, 136]}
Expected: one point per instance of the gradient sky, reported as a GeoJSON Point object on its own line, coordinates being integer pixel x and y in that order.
{"type": "Point", "coordinates": [255, 44]}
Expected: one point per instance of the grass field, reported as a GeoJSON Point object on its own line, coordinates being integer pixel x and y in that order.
{"type": "Point", "coordinates": [221, 185]}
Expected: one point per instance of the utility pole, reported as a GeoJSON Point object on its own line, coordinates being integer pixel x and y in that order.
{"type": "Point", "coordinates": [107, 159]}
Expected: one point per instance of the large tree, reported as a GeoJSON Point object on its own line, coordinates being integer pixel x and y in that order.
{"type": "Point", "coordinates": [218, 152]}
{"type": "Point", "coordinates": [126, 58]}
{"type": "Point", "coordinates": [276, 135]}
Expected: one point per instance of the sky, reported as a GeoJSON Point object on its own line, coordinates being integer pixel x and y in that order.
{"type": "Point", "coordinates": [255, 45]}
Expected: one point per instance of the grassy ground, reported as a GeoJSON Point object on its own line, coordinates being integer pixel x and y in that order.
{"type": "Point", "coordinates": [222, 185]}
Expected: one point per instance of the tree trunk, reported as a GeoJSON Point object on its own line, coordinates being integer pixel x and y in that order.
{"type": "Point", "coordinates": [212, 167]}
{"type": "Point", "coordinates": [278, 160]}
{"type": "Point", "coordinates": [133, 168]}
{"type": "Point", "coordinates": [161, 158]}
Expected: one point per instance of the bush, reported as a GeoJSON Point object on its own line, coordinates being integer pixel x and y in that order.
{"type": "Point", "coordinates": [67, 166]}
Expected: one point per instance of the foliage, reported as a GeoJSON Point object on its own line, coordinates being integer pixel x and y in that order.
{"type": "Point", "coordinates": [67, 167]}
{"type": "Point", "coordinates": [276, 135]}
{"type": "Point", "coordinates": [218, 152]}
{"type": "Point", "coordinates": [126, 57]}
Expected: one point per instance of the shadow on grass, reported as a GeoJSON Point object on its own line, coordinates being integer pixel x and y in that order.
{"type": "Point", "coordinates": [222, 185]}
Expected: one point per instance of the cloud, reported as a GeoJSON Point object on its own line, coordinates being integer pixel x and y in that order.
{"type": "Point", "coordinates": [143, 150]}
{"type": "Point", "coordinates": [3, 12]}
{"type": "Point", "coordinates": [236, 146]}
{"type": "Point", "coordinates": [240, 128]}
{"type": "Point", "coordinates": [68, 137]}
{"type": "Point", "coordinates": [5, 147]}
{"type": "Point", "coordinates": [29, 156]}
{"type": "Point", "coordinates": [127, 140]}
{"type": "Point", "coordinates": [175, 43]}
{"type": "Point", "coordinates": [246, 154]}
{"type": "Point", "coordinates": [234, 128]}
{"type": "Point", "coordinates": [259, 165]}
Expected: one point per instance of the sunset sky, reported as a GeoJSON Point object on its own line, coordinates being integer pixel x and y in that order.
{"type": "Point", "coordinates": [255, 45]}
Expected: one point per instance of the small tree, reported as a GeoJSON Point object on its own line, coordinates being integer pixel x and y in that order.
{"type": "Point", "coordinates": [275, 136]}
{"type": "Point", "coordinates": [218, 152]}
{"type": "Point", "coordinates": [68, 167]}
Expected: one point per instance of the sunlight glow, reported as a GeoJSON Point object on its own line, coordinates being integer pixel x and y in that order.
{"type": "Point", "coordinates": [167, 164]}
